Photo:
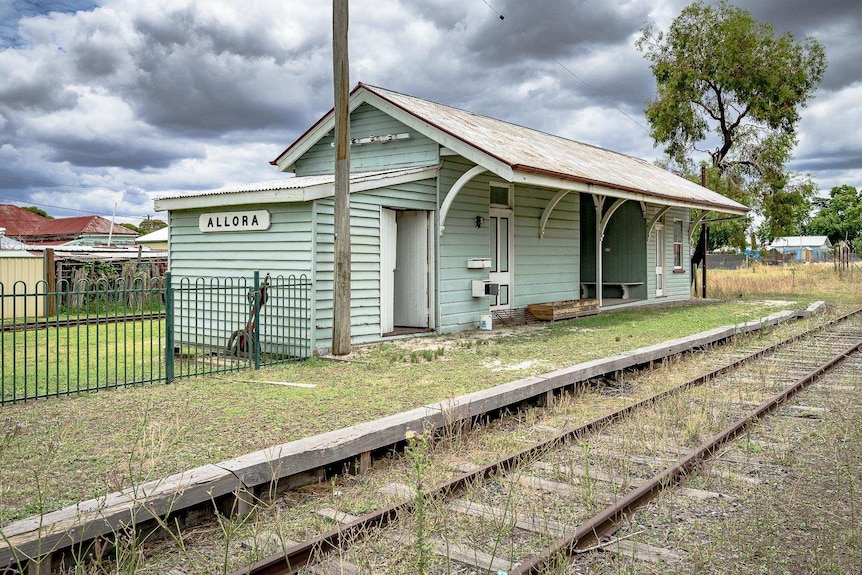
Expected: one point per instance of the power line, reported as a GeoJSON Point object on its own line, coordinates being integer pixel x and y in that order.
{"type": "Point", "coordinates": [44, 183]}
{"type": "Point", "coordinates": [57, 185]}
{"type": "Point", "coordinates": [494, 9]}
{"type": "Point", "coordinates": [570, 71]}
{"type": "Point", "coordinates": [70, 209]}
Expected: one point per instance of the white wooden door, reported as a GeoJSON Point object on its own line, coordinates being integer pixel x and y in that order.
{"type": "Point", "coordinates": [659, 260]}
{"type": "Point", "coordinates": [388, 240]}
{"type": "Point", "coordinates": [411, 270]}
{"type": "Point", "coordinates": [502, 258]}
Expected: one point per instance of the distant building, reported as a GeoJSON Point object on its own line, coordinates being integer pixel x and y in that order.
{"type": "Point", "coordinates": [19, 222]}
{"type": "Point", "coordinates": [35, 230]}
{"type": "Point", "coordinates": [9, 243]}
{"type": "Point", "coordinates": [157, 240]}
{"type": "Point", "coordinates": [803, 248]}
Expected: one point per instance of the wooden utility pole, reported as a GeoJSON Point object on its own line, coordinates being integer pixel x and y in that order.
{"type": "Point", "coordinates": [341, 76]}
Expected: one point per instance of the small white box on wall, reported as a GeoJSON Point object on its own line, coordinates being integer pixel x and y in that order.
{"type": "Point", "coordinates": [479, 263]}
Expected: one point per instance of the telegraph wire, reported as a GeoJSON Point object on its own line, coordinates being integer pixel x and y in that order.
{"type": "Point", "coordinates": [88, 212]}
{"type": "Point", "coordinates": [494, 9]}
{"type": "Point", "coordinates": [44, 183]}
{"type": "Point", "coordinates": [56, 185]}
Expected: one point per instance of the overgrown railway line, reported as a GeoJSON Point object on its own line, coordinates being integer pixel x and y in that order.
{"type": "Point", "coordinates": [487, 493]}
{"type": "Point", "coordinates": [562, 471]}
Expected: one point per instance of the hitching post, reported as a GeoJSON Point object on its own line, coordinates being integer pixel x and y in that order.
{"type": "Point", "coordinates": [169, 329]}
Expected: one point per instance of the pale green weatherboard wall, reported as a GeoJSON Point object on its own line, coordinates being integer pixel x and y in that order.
{"type": "Point", "coordinates": [545, 269]}
{"type": "Point", "coordinates": [369, 121]}
{"type": "Point", "coordinates": [677, 286]}
{"type": "Point", "coordinates": [282, 250]}
{"type": "Point", "coordinates": [365, 255]}
{"type": "Point", "coordinates": [548, 268]}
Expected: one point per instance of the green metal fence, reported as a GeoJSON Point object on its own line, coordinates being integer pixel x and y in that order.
{"type": "Point", "coordinates": [91, 335]}
{"type": "Point", "coordinates": [218, 324]}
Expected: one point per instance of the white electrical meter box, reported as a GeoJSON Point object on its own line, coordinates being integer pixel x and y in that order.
{"type": "Point", "coordinates": [479, 263]}
{"type": "Point", "coordinates": [481, 288]}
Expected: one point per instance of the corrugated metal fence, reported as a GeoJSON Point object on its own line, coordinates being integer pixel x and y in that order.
{"type": "Point", "coordinates": [92, 335]}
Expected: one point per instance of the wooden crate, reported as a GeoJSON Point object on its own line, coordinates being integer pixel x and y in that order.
{"type": "Point", "coordinates": [565, 309]}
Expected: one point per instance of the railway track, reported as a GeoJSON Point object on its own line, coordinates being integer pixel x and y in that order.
{"type": "Point", "coordinates": [574, 490]}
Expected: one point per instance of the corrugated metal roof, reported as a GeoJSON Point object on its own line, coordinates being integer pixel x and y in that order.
{"type": "Point", "coordinates": [160, 235]}
{"type": "Point", "coordinates": [18, 221]}
{"type": "Point", "coordinates": [294, 183]}
{"type": "Point", "coordinates": [800, 242]}
{"type": "Point", "coordinates": [10, 244]}
{"type": "Point", "coordinates": [16, 253]}
{"type": "Point", "coordinates": [81, 225]}
{"type": "Point", "coordinates": [282, 184]}
{"type": "Point", "coordinates": [532, 151]}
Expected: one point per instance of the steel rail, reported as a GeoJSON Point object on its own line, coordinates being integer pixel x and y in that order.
{"type": "Point", "coordinates": [612, 517]}
{"type": "Point", "coordinates": [293, 558]}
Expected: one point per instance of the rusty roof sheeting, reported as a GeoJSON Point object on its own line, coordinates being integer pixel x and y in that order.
{"type": "Point", "coordinates": [18, 221]}
{"type": "Point", "coordinates": [81, 225]}
{"type": "Point", "coordinates": [531, 151]}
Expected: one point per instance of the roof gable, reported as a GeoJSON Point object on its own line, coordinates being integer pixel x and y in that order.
{"type": "Point", "coordinates": [519, 154]}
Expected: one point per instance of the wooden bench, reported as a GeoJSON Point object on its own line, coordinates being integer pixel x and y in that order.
{"type": "Point", "coordinates": [624, 286]}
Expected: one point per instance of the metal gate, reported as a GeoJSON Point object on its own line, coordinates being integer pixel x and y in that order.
{"type": "Point", "coordinates": [98, 334]}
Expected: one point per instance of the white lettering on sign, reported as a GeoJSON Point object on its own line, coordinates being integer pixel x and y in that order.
{"type": "Point", "coordinates": [253, 221]}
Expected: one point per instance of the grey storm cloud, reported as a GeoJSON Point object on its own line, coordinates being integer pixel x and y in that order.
{"type": "Point", "coordinates": [169, 95]}
{"type": "Point", "coordinates": [552, 29]}
{"type": "Point", "coordinates": [803, 16]}
{"type": "Point", "coordinates": [132, 154]}
{"type": "Point", "coordinates": [39, 90]}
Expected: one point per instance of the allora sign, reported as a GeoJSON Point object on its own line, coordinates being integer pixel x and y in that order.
{"type": "Point", "coordinates": [253, 221]}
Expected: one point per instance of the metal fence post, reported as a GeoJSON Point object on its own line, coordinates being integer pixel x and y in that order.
{"type": "Point", "coordinates": [255, 326]}
{"type": "Point", "coordinates": [169, 329]}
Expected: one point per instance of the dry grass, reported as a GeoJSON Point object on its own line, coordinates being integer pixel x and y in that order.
{"type": "Point", "coordinates": [814, 281]}
{"type": "Point", "coordinates": [113, 438]}
{"type": "Point", "coordinates": [289, 517]}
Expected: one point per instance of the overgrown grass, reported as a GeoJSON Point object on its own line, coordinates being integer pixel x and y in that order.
{"type": "Point", "coordinates": [809, 281]}
{"type": "Point", "coordinates": [112, 438]}
{"type": "Point", "coordinates": [68, 359]}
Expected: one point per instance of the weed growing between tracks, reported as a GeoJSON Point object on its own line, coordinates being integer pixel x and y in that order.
{"type": "Point", "coordinates": [416, 458]}
{"type": "Point", "coordinates": [807, 520]}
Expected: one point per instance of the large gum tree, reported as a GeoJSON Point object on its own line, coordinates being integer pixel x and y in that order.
{"type": "Point", "coordinates": [730, 89]}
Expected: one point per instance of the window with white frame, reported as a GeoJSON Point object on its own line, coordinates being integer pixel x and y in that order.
{"type": "Point", "coordinates": [501, 194]}
{"type": "Point", "coordinates": [677, 244]}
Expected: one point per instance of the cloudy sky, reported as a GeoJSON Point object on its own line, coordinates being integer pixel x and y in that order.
{"type": "Point", "coordinates": [114, 102]}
